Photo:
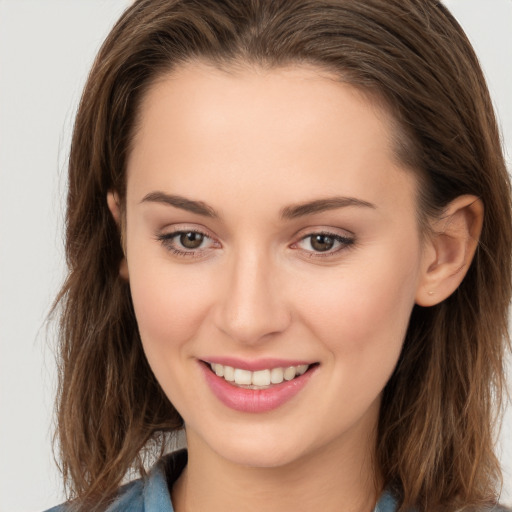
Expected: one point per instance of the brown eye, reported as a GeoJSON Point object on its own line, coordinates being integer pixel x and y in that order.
{"type": "Point", "coordinates": [322, 243]}
{"type": "Point", "coordinates": [191, 240]}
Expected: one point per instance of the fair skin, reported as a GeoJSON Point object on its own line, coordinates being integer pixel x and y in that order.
{"type": "Point", "coordinates": [234, 156]}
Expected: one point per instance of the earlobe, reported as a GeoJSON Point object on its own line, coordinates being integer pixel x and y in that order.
{"type": "Point", "coordinates": [114, 206]}
{"type": "Point", "coordinates": [449, 249]}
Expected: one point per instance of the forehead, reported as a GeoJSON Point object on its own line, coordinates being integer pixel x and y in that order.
{"type": "Point", "coordinates": [298, 128]}
{"type": "Point", "coordinates": [202, 98]}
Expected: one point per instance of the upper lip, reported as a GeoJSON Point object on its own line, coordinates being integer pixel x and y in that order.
{"type": "Point", "coordinates": [266, 363]}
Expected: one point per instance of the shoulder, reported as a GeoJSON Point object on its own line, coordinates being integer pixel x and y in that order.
{"type": "Point", "coordinates": [130, 499]}
{"type": "Point", "coordinates": [387, 503]}
{"type": "Point", "coordinates": [148, 494]}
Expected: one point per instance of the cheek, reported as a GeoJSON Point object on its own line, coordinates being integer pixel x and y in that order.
{"type": "Point", "coordinates": [365, 309]}
{"type": "Point", "coordinates": [361, 320]}
{"type": "Point", "coordinates": [169, 303]}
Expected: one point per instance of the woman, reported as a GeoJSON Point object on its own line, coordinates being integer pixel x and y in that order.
{"type": "Point", "coordinates": [289, 233]}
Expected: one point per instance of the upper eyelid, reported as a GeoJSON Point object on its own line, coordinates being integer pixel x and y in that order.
{"type": "Point", "coordinates": [327, 233]}
{"type": "Point", "coordinates": [185, 229]}
{"type": "Point", "coordinates": [302, 232]}
{"type": "Point", "coordinates": [325, 230]}
{"type": "Point", "coordinates": [175, 233]}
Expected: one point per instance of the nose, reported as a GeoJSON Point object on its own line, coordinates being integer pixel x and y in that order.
{"type": "Point", "coordinates": [251, 306]}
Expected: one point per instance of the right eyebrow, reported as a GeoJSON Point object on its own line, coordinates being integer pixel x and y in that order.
{"type": "Point", "coordinates": [198, 207]}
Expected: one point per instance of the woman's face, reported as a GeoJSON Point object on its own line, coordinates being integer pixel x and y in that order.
{"type": "Point", "coordinates": [269, 226]}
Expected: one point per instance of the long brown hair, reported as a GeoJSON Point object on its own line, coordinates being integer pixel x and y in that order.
{"type": "Point", "coordinates": [436, 427]}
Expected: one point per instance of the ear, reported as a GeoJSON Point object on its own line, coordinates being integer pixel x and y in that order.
{"type": "Point", "coordinates": [114, 206]}
{"type": "Point", "coordinates": [449, 249]}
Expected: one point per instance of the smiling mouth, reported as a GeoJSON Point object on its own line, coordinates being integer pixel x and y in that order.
{"type": "Point", "coordinates": [260, 379]}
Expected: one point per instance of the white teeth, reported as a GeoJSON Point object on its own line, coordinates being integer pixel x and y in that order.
{"type": "Point", "coordinates": [229, 373]}
{"type": "Point", "coordinates": [301, 370]}
{"type": "Point", "coordinates": [218, 369]}
{"type": "Point", "coordinates": [260, 378]}
{"type": "Point", "coordinates": [276, 375]}
{"type": "Point", "coordinates": [290, 372]}
{"type": "Point", "coordinates": [243, 377]}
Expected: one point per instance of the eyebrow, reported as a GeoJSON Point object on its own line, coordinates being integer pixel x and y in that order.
{"type": "Point", "coordinates": [181, 202]}
{"type": "Point", "coordinates": [289, 212]}
{"type": "Point", "coordinates": [322, 205]}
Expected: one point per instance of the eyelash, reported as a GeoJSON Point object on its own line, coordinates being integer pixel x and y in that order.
{"type": "Point", "coordinates": [168, 241]}
{"type": "Point", "coordinates": [343, 241]}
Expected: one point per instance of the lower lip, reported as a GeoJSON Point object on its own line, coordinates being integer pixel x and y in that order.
{"type": "Point", "coordinates": [255, 400]}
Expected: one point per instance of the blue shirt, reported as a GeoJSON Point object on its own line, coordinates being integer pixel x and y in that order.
{"type": "Point", "coordinates": [151, 494]}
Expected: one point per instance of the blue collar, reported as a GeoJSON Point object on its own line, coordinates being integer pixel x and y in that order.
{"type": "Point", "coordinates": [151, 494]}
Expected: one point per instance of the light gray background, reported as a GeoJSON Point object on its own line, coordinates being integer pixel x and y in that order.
{"type": "Point", "coordinates": [46, 49]}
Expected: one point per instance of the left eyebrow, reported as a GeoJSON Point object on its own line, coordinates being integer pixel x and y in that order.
{"type": "Point", "coordinates": [321, 205]}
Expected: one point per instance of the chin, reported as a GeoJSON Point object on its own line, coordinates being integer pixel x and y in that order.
{"type": "Point", "coordinates": [259, 456]}
{"type": "Point", "coordinates": [258, 449]}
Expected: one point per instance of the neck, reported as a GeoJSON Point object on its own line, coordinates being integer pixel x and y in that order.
{"type": "Point", "coordinates": [342, 473]}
